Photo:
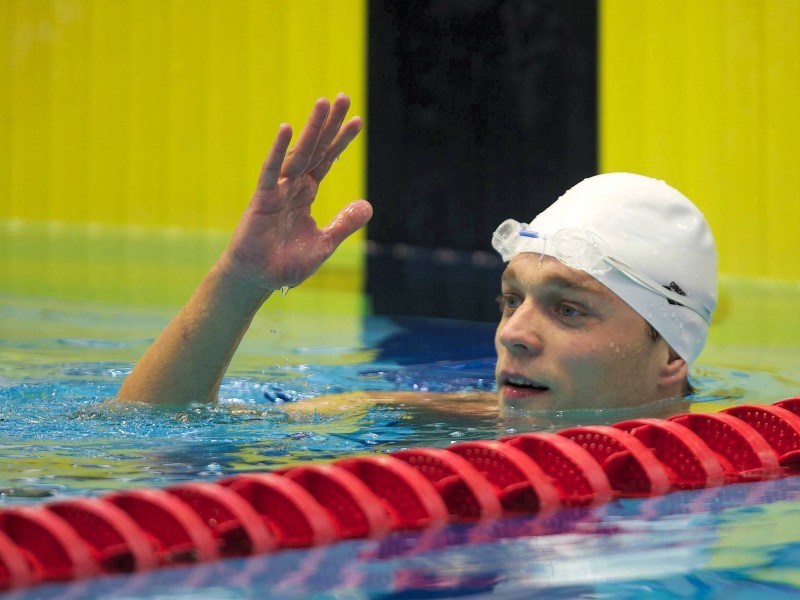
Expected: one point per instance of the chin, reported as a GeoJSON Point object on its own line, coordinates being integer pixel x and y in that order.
{"type": "Point", "coordinates": [543, 402]}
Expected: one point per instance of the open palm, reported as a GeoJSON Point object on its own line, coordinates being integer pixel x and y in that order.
{"type": "Point", "coordinates": [277, 242]}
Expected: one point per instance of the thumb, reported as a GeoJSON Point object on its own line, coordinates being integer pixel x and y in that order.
{"type": "Point", "coordinates": [349, 220]}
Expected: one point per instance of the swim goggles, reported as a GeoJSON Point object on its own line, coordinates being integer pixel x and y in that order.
{"type": "Point", "coordinates": [584, 250]}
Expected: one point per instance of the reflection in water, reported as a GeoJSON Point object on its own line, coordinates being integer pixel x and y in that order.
{"type": "Point", "coordinates": [703, 543]}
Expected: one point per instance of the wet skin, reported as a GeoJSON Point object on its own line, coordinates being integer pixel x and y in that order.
{"type": "Point", "coordinates": [566, 342]}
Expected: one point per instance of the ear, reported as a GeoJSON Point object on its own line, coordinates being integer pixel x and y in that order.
{"type": "Point", "coordinates": [674, 371]}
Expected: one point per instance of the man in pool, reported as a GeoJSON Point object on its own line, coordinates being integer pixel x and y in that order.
{"type": "Point", "coordinates": [606, 301]}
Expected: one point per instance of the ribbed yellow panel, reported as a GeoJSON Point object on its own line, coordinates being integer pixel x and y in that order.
{"type": "Point", "coordinates": [706, 95]}
{"type": "Point", "coordinates": [159, 112]}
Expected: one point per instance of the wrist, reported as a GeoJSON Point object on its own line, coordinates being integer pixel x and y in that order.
{"type": "Point", "coordinates": [245, 287]}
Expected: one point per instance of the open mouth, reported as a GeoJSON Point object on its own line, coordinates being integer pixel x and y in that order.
{"type": "Point", "coordinates": [521, 383]}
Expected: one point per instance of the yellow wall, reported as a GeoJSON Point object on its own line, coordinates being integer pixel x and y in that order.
{"type": "Point", "coordinates": [706, 95]}
{"type": "Point", "coordinates": [159, 112]}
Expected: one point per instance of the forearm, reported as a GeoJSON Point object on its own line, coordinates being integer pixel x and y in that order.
{"type": "Point", "coordinates": [187, 361]}
{"type": "Point", "coordinates": [276, 243]}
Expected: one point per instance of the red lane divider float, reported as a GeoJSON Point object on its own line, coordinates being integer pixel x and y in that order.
{"type": "Point", "coordinates": [520, 484]}
{"type": "Point", "coordinates": [295, 518]}
{"type": "Point", "coordinates": [408, 496]}
{"type": "Point", "coordinates": [53, 550]}
{"type": "Point", "coordinates": [177, 532]}
{"type": "Point", "coordinates": [778, 425]}
{"type": "Point", "coordinates": [790, 404]}
{"type": "Point", "coordinates": [461, 485]}
{"type": "Point", "coordinates": [689, 462]}
{"type": "Point", "coordinates": [743, 452]}
{"type": "Point", "coordinates": [117, 543]}
{"type": "Point", "coordinates": [370, 496]}
{"type": "Point", "coordinates": [15, 570]}
{"type": "Point", "coordinates": [576, 475]}
{"type": "Point", "coordinates": [354, 508]}
{"type": "Point", "coordinates": [633, 470]}
{"type": "Point", "coordinates": [233, 521]}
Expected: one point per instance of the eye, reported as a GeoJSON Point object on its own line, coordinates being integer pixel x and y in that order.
{"type": "Point", "coordinates": [569, 312]}
{"type": "Point", "coordinates": [508, 302]}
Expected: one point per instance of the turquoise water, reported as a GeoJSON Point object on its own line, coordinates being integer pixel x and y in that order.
{"type": "Point", "coordinates": [60, 360]}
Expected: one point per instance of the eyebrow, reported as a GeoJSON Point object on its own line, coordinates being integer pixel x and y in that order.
{"type": "Point", "coordinates": [556, 280]}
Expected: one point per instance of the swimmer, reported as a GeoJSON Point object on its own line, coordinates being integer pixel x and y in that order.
{"type": "Point", "coordinates": [606, 301]}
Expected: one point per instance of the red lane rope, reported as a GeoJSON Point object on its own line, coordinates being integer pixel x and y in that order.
{"type": "Point", "coordinates": [689, 462]}
{"type": "Point", "coordinates": [116, 541]}
{"type": "Point", "coordinates": [743, 452]}
{"type": "Point", "coordinates": [577, 476]}
{"type": "Point", "coordinates": [461, 485]}
{"type": "Point", "coordinates": [631, 467]}
{"type": "Point", "coordinates": [287, 509]}
{"type": "Point", "coordinates": [778, 425]}
{"type": "Point", "coordinates": [370, 496]}
{"type": "Point", "coordinates": [521, 485]}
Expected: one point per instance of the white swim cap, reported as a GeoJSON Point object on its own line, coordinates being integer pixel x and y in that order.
{"type": "Point", "coordinates": [639, 237]}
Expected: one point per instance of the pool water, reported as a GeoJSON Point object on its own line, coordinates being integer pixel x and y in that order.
{"type": "Point", "coordinates": [62, 358]}
{"type": "Point", "coordinates": [63, 361]}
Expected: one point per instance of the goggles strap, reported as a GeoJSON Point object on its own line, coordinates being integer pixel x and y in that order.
{"type": "Point", "coordinates": [646, 282]}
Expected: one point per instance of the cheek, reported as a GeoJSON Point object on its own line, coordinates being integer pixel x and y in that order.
{"type": "Point", "coordinates": [624, 350]}
{"type": "Point", "coordinates": [610, 360]}
{"type": "Point", "coordinates": [628, 338]}
{"type": "Point", "coordinates": [630, 365]}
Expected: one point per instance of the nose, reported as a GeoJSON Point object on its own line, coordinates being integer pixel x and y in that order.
{"type": "Point", "coordinates": [521, 332]}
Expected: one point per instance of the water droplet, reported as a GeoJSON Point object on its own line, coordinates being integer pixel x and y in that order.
{"type": "Point", "coordinates": [284, 290]}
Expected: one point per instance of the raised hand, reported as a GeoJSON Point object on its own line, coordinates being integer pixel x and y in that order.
{"type": "Point", "coordinates": [277, 242]}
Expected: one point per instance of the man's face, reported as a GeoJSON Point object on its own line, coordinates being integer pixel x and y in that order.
{"type": "Point", "coordinates": [565, 341]}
